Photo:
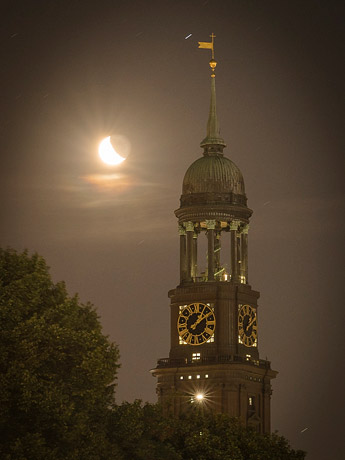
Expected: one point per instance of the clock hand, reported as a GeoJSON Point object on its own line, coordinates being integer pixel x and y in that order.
{"type": "Point", "coordinates": [252, 321]}
{"type": "Point", "coordinates": [199, 319]}
{"type": "Point", "coordinates": [246, 328]}
{"type": "Point", "coordinates": [194, 325]}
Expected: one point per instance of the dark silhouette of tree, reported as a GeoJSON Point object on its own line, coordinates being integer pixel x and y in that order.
{"type": "Point", "coordinates": [57, 369]}
{"type": "Point", "coordinates": [141, 432]}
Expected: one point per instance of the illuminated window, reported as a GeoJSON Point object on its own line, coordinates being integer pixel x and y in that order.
{"type": "Point", "coordinates": [196, 356]}
{"type": "Point", "coordinates": [206, 376]}
{"type": "Point", "coordinates": [189, 377]}
{"type": "Point", "coordinates": [198, 376]}
{"type": "Point", "coordinates": [251, 405]}
{"type": "Point", "coordinates": [243, 279]}
{"type": "Point", "coordinates": [181, 377]}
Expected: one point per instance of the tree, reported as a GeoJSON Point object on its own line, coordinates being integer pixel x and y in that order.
{"type": "Point", "coordinates": [140, 432]}
{"type": "Point", "coordinates": [57, 369]}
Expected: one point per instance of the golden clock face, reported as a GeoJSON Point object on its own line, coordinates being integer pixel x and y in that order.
{"type": "Point", "coordinates": [196, 323]}
{"type": "Point", "coordinates": [247, 326]}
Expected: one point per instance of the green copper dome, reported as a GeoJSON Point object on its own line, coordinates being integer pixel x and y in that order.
{"type": "Point", "coordinates": [213, 179]}
{"type": "Point", "coordinates": [213, 174]}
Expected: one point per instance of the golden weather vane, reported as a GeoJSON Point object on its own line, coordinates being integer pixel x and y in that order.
{"type": "Point", "coordinates": [210, 46]}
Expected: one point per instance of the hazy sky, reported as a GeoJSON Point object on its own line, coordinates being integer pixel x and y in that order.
{"type": "Point", "coordinates": [73, 72]}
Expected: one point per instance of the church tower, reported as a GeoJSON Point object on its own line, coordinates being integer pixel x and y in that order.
{"type": "Point", "coordinates": [214, 356]}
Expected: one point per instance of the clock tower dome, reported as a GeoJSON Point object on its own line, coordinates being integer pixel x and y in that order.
{"type": "Point", "coordinates": [214, 356]}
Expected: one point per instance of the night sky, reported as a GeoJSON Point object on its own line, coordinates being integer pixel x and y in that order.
{"type": "Point", "coordinates": [73, 72]}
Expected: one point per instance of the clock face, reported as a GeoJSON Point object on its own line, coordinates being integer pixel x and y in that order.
{"type": "Point", "coordinates": [196, 323]}
{"type": "Point", "coordinates": [247, 326]}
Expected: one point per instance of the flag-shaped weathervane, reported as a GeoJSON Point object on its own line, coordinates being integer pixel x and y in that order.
{"type": "Point", "coordinates": [209, 46]}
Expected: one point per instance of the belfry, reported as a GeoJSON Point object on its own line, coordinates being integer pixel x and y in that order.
{"type": "Point", "coordinates": [214, 356]}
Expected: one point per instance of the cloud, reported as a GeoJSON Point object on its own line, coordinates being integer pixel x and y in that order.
{"type": "Point", "coordinates": [109, 182]}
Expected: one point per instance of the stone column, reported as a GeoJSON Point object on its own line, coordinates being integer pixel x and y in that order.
{"type": "Point", "coordinates": [217, 251]}
{"type": "Point", "coordinates": [233, 246]}
{"type": "Point", "coordinates": [239, 256]}
{"type": "Point", "coordinates": [244, 237]}
{"type": "Point", "coordinates": [195, 255]}
{"type": "Point", "coordinates": [190, 233]}
{"type": "Point", "coordinates": [183, 254]}
{"type": "Point", "coordinates": [211, 225]}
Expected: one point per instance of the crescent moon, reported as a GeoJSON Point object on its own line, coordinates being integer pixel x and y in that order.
{"type": "Point", "coordinates": [108, 154]}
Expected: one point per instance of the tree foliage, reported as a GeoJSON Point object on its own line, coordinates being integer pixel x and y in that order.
{"type": "Point", "coordinates": [57, 369]}
{"type": "Point", "coordinates": [140, 432]}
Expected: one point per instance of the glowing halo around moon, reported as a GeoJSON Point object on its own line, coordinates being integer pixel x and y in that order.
{"type": "Point", "coordinates": [108, 154]}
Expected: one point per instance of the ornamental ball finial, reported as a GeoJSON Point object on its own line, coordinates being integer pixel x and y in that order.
{"type": "Point", "coordinates": [213, 64]}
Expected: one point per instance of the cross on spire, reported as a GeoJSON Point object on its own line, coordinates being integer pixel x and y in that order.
{"type": "Point", "coordinates": [212, 38]}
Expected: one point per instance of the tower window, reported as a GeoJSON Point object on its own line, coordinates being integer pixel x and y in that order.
{"type": "Point", "coordinates": [251, 405]}
{"type": "Point", "coordinates": [196, 356]}
{"type": "Point", "coordinates": [181, 377]}
{"type": "Point", "coordinates": [189, 377]}
{"type": "Point", "coordinates": [206, 376]}
{"type": "Point", "coordinates": [198, 376]}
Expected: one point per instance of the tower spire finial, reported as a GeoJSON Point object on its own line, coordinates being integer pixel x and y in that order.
{"type": "Point", "coordinates": [210, 46]}
{"type": "Point", "coordinates": [213, 144]}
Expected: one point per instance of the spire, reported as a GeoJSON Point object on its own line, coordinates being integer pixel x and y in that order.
{"type": "Point", "coordinates": [213, 136]}
{"type": "Point", "coordinates": [213, 144]}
